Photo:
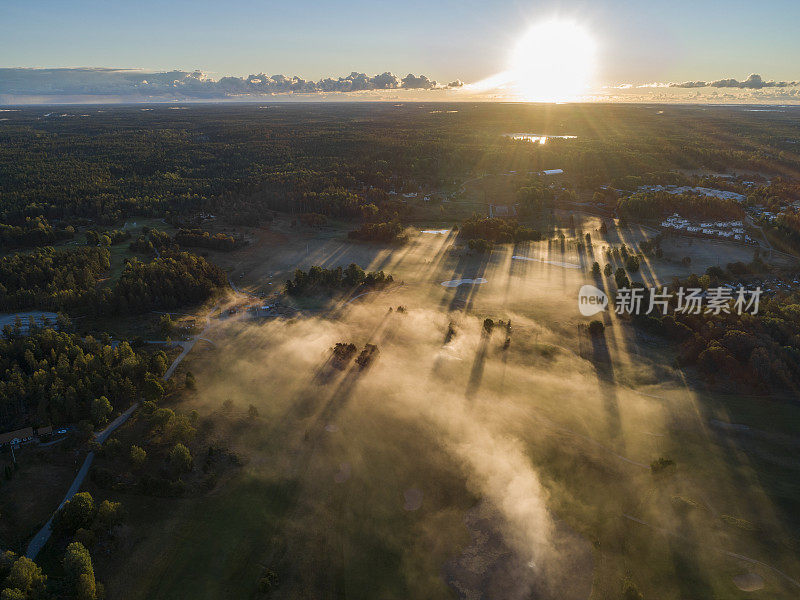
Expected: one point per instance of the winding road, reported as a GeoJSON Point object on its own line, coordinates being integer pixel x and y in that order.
{"type": "Point", "coordinates": [40, 539]}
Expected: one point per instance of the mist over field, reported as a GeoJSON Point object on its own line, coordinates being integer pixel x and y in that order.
{"type": "Point", "coordinates": [453, 396]}
{"type": "Point", "coordinates": [339, 351]}
{"type": "Point", "coordinates": [487, 462]}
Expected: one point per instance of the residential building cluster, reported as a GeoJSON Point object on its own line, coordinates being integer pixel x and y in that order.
{"type": "Point", "coordinates": [730, 230]}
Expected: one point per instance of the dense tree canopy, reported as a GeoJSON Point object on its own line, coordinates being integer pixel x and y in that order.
{"type": "Point", "coordinates": [497, 230]}
{"type": "Point", "coordinates": [68, 280]}
{"type": "Point", "coordinates": [318, 280]}
{"type": "Point", "coordinates": [52, 377]}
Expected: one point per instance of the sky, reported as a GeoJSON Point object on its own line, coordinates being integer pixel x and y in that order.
{"type": "Point", "coordinates": [637, 41]}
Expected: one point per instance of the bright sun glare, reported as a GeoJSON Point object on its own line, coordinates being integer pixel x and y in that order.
{"type": "Point", "coordinates": [553, 61]}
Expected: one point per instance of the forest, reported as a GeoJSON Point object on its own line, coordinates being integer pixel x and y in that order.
{"type": "Point", "coordinates": [345, 161]}
{"type": "Point", "coordinates": [33, 231]}
{"type": "Point", "coordinates": [51, 377]}
{"type": "Point", "coordinates": [68, 281]}
{"type": "Point", "coordinates": [62, 280]}
{"type": "Point", "coordinates": [497, 230]}
{"type": "Point", "coordinates": [318, 280]}
{"type": "Point", "coordinates": [658, 204]}
{"type": "Point", "coordinates": [757, 351]}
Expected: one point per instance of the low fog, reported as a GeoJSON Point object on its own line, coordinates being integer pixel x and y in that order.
{"type": "Point", "coordinates": [440, 430]}
{"type": "Point", "coordinates": [503, 463]}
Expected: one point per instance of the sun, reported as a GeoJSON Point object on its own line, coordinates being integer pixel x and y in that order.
{"type": "Point", "coordinates": [553, 61]}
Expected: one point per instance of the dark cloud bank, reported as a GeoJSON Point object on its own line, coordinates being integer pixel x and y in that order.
{"type": "Point", "coordinates": [754, 82]}
{"type": "Point", "coordinates": [128, 83]}
{"type": "Point", "coordinates": [29, 85]}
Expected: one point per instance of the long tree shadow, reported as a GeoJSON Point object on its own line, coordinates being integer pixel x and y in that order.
{"type": "Point", "coordinates": [467, 267]}
{"type": "Point", "coordinates": [689, 577]}
{"type": "Point", "coordinates": [478, 364]}
{"type": "Point", "coordinates": [604, 367]}
{"type": "Point", "coordinates": [382, 334]}
{"type": "Point", "coordinates": [516, 268]}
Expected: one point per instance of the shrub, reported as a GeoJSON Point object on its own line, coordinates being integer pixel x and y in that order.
{"type": "Point", "coordinates": [138, 456]}
{"type": "Point", "coordinates": [596, 328]}
{"type": "Point", "coordinates": [76, 513]}
{"type": "Point", "coordinates": [621, 278]}
{"type": "Point", "coordinates": [661, 464]}
{"type": "Point", "coordinates": [632, 263]}
{"type": "Point", "coordinates": [180, 459]}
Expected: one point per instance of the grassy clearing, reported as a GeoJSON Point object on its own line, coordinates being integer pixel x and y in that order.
{"type": "Point", "coordinates": [27, 501]}
{"type": "Point", "coordinates": [223, 536]}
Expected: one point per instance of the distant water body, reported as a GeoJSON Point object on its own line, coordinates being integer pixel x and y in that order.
{"type": "Point", "coordinates": [538, 138]}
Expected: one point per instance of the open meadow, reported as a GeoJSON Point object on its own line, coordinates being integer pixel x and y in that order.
{"type": "Point", "coordinates": [467, 460]}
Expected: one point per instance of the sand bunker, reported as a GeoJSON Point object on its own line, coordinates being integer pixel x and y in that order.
{"type": "Point", "coordinates": [436, 231]}
{"type": "Point", "coordinates": [556, 263]}
{"type": "Point", "coordinates": [413, 499]}
{"type": "Point", "coordinates": [458, 282]}
{"type": "Point", "coordinates": [749, 582]}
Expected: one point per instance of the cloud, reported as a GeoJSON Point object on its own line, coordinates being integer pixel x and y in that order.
{"type": "Point", "coordinates": [690, 84]}
{"type": "Point", "coordinates": [753, 82]}
{"type": "Point", "coordinates": [413, 82]}
{"type": "Point", "coordinates": [133, 83]}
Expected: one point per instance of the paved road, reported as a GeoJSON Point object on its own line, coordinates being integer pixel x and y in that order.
{"type": "Point", "coordinates": [39, 316]}
{"type": "Point", "coordinates": [238, 290]}
{"type": "Point", "coordinates": [187, 346]}
{"type": "Point", "coordinates": [40, 539]}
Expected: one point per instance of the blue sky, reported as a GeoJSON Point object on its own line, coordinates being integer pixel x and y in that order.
{"type": "Point", "coordinates": [639, 41]}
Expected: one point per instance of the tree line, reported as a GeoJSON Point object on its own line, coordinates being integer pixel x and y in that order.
{"type": "Point", "coordinates": [68, 281]}
{"type": "Point", "coordinates": [53, 377]}
{"type": "Point", "coordinates": [318, 280]}
{"type": "Point", "coordinates": [378, 232]}
{"type": "Point", "coordinates": [196, 238]}
{"type": "Point", "coordinates": [497, 230]}
{"type": "Point", "coordinates": [32, 232]}
{"type": "Point", "coordinates": [657, 204]}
